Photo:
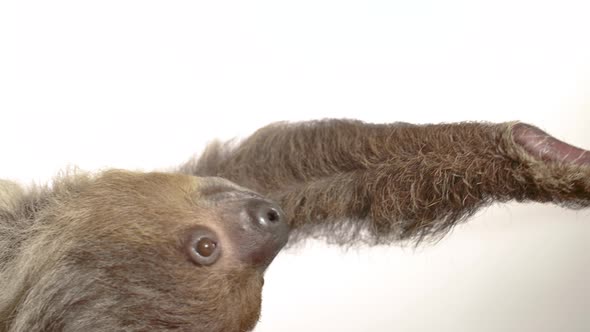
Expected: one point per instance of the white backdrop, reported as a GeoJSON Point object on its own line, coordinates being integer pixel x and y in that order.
{"type": "Point", "coordinates": [145, 84]}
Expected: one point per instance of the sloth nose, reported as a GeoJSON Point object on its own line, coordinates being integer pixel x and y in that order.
{"type": "Point", "coordinates": [269, 223]}
{"type": "Point", "coordinates": [267, 215]}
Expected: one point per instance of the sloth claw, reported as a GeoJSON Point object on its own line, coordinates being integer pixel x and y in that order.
{"type": "Point", "coordinates": [548, 148]}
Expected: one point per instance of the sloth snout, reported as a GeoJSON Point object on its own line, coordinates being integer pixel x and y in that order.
{"type": "Point", "coordinates": [267, 215]}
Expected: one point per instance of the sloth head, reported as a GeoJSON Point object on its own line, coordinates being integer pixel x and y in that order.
{"type": "Point", "coordinates": [134, 251]}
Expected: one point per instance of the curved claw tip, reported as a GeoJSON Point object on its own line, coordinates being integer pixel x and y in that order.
{"type": "Point", "coordinates": [546, 147]}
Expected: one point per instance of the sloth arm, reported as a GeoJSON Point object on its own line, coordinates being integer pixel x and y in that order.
{"type": "Point", "coordinates": [351, 181]}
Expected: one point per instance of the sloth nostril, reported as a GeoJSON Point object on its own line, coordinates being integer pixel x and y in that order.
{"type": "Point", "coordinates": [265, 213]}
{"type": "Point", "coordinates": [273, 215]}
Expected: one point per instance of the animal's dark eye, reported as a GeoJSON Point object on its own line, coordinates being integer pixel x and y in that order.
{"type": "Point", "coordinates": [203, 247]}
{"type": "Point", "coordinates": [206, 247]}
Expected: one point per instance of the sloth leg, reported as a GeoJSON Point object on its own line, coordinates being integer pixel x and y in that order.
{"type": "Point", "coordinates": [348, 180]}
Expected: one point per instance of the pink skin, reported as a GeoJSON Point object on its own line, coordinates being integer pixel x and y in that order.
{"type": "Point", "coordinates": [546, 147]}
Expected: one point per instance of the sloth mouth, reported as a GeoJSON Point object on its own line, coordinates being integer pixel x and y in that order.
{"type": "Point", "coordinates": [548, 148]}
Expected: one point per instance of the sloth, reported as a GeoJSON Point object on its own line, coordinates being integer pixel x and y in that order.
{"type": "Point", "coordinates": [187, 250]}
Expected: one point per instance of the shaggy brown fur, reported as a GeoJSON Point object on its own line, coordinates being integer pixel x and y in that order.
{"type": "Point", "coordinates": [109, 252]}
{"type": "Point", "coordinates": [348, 181]}
{"type": "Point", "coordinates": [105, 253]}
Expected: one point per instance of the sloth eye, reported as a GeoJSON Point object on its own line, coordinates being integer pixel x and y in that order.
{"type": "Point", "coordinates": [206, 247]}
{"type": "Point", "coordinates": [203, 247]}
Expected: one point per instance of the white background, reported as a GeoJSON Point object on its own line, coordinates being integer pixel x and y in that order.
{"type": "Point", "coordinates": [145, 84]}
